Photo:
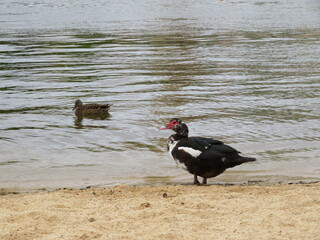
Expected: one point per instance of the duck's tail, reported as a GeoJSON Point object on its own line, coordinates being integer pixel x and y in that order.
{"type": "Point", "coordinates": [244, 159]}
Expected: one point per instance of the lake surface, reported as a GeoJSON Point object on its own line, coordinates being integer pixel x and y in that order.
{"type": "Point", "coordinates": [244, 72]}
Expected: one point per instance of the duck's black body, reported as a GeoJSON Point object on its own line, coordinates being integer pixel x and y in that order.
{"type": "Point", "coordinates": [204, 157]}
{"type": "Point", "coordinates": [91, 110]}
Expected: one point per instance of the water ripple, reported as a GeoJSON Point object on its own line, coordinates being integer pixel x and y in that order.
{"type": "Point", "coordinates": [254, 85]}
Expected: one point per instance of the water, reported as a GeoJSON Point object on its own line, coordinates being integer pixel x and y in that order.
{"type": "Point", "coordinates": [244, 72]}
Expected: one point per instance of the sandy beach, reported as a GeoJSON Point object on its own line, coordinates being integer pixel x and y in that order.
{"type": "Point", "coordinates": [164, 212]}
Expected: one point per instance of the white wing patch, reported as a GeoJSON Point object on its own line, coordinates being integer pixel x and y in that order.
{"type": "Point", "coordinates": [193, 152]}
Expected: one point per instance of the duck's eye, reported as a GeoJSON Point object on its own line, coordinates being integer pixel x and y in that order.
{"type": "Point", "coordinates": [174, 122]}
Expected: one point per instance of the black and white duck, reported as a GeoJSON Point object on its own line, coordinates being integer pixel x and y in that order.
{"type": "Point", "coordinates": [204, 157]}
{"type": "Point", "coordinates": [90, 110]}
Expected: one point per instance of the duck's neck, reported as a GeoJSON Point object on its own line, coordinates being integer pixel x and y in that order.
{"type": "Point", "coordinates": [178, 137]}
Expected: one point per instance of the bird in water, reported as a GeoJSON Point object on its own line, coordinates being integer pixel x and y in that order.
{"type": "Point", "coordinates": [91, 110]}
{"type": "Point", "coordinates": [204, 157]}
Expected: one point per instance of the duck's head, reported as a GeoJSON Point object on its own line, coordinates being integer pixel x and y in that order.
{"type": "Point", "coordinates": [77, 104]}
{"type": "Point", "coordinates": [178, 126]}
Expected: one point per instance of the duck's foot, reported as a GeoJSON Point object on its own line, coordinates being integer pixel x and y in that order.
{"type": "Point", "coordinates": [204, 181]}
{"type": "Point", "coordinates": [195, 180]}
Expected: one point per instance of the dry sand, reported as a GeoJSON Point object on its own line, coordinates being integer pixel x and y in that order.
{"type": "Point", "coordinates": [164, 212]}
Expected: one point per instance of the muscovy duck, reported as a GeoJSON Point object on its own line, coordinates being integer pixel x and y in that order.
{"type": "Point", "coordinates": [87, 110]}
{"type": "Point", "coordinates": [204, 157]}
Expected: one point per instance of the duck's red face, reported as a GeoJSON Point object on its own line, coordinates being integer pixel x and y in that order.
{"type": "Point", "coordinates": [171, 124]}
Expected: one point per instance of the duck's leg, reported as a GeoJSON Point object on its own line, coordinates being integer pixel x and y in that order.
{"type": "Point", "coordinates": [204, 181]}
{"type": "Point", "coordinates": [195, 179]}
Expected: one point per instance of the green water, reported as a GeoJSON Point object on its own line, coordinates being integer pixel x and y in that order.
{"type": "Point", "coordinates": [244, 72]}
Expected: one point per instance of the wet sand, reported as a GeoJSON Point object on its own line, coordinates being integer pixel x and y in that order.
{"type": "Point", "coordinates": [164, 212]}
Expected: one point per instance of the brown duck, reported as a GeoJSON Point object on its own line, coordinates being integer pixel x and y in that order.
{"type": "Point", "coordinates": [90, 110]}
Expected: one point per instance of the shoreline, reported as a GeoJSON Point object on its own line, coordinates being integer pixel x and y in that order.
{"type": "Point", "coordinates": [17, 190]}
{"type": "Point", "coordinates": [278, 211]}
